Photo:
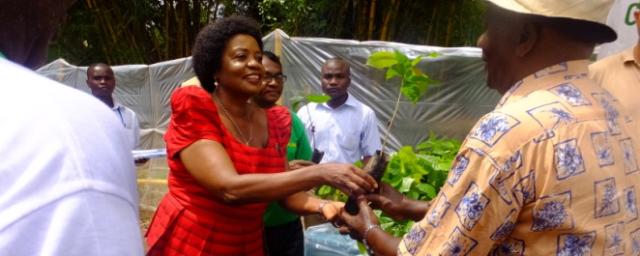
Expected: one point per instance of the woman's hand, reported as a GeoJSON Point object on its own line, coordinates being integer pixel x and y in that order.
{"type": "Point", "coordinates": [330, 210]}
{"type": "Point", "coordinates": [347, 178]}
{"type": "Point", "coordinates": [297, 164]}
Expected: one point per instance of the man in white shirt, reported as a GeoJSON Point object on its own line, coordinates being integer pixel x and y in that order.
{"type": "Point", "coordinates": [343, 128]}
{"type": "Point", "coordinates": [67, 183]}
{"type": "Point", "coordinates": [102, 82]}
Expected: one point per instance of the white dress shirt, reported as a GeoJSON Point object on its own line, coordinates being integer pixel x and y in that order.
{"type": "Point", "coordinates": [345, 134]}
{"type": "Point", "coordinates": [129, 121]}
{"type": "Point", "coordinates": [67, 180]}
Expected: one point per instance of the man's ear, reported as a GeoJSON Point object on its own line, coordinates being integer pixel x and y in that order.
{"type": "Point", "coordinates": [528, 38]}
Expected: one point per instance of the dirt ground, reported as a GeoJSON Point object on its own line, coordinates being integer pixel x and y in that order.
{"type": "Point", "coordinates": [152, 185]}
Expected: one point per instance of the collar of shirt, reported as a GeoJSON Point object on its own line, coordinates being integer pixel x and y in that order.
{"type": "Point", "coordinates": [628, 55]}
{"type": "Point", "coordinates": [117, 105]}
{"type": "Point", "coordinates": [351, 101]}
{"type": "Point", "coordinates": [544, 79]}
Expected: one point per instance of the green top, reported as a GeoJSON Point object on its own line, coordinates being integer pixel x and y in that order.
{"type": "Point", "coordinates": [298, 148]}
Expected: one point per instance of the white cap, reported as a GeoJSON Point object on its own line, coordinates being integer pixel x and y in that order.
{"type": "Point", "coordinates": [591, 11]}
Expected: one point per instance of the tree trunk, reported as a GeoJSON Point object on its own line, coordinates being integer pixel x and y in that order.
{"type": "Point", "coordinates": [372, 18]}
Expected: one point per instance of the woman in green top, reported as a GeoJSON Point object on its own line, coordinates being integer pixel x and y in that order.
{"type": "Point", "coordinates": [283, 230]}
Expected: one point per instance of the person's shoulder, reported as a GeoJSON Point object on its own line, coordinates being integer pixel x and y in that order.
{"type": "Point", "coordinates": [279, 110]}
{"type": "Point", "coordinates": [191, 97]}
{"type": "Point", "coordinates": [361, 106]}
{"type": "Point", "coordinates": [190, 92]}
{"type": "Point", "coordinates": [607, 63]}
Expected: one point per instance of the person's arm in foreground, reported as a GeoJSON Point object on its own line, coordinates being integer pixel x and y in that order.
{"type": "Point", "coordinates": [210, 165]}
{"type": "Point", "coordinates": [396, 205]}
{"type": "Point", "coordinates": [364, 227]}
{"type": "Point", "coordinates": [466, 199]}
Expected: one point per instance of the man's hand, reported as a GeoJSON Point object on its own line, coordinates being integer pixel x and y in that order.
{"type": "Point", "coordinates": [355, 225]}
{"type": "Point", "coordinates": [389, 200]}
{"type": "Point", "coordinates": [140, 161]}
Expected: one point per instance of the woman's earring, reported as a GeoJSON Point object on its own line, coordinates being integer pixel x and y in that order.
{"type": "Point", "coordinates": [215, 83]}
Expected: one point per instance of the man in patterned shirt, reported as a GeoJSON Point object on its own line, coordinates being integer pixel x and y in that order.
{"type": "Point", "coordinates": [551, 171]}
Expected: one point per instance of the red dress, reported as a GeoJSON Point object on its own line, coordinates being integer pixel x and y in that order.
{"type": "Point", "coordinates": [189, 219]}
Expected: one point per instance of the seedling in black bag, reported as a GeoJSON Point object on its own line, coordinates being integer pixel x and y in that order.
{"type": "Point", "coordinates": [375, 167]}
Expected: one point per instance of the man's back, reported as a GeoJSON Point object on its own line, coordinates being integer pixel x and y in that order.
{"type": "Point", "coordinates": [551, 171]}
{"type": "Point", "coordinates": [68, 181]}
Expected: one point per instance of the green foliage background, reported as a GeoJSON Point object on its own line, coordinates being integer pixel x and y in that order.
{"type": "Point", "coordinates": [417, 172]}
{"type": "Point", "coordinates": [149, 31]}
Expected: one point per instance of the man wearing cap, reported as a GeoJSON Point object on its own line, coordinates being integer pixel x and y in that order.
{"type": "Point", "coordinates": [551, 171]}
{"type": "Point", "coordinates": [620, 75]}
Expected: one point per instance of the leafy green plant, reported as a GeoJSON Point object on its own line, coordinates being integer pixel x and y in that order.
{"type": "Point", "coordinates": [418, 173]}
{"type": "Point", "coordinates": [413, 82]}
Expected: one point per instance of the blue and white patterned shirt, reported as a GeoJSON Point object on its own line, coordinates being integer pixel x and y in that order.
{"type": "Point", "coordinates": [553, 170]}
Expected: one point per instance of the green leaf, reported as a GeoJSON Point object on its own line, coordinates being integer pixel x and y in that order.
{"type": "Point", "coordinates": [382, 59]}
{"type": "Point", "coordinates": [402, 59]}
{"type": "Point", "coordinates": [434, 55]}
{"type": "Point", "coordinates": [361, 248]}
{"type": "Point", "coordinates": [415, 61]}
{"type": "Point", "coordinates": [406, 184]}
{"type": "Point", "coordinates": [427, 189]}
{"type": "Point", "coordinates": [391, 73]}
{"type": "Point", "coordinates": [318, 98]}
{"type": "Point", "coordinates": [411, 92]}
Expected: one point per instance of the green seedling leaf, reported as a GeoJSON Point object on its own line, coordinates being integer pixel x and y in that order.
{"type": "Point", "coordinates": [402, 59]}
{"type": "Point", "coordinates": [391, 73]}
{"type": "Point", "coordinates": [406, 184]}
{"type": "Point", "coordinates": [382, 59]}
{"type": "Point", "coordinates": [318, 98]}
{"type": "Point", "coordinates": [415, 62]}
{"type": "Point", "coordinates": [427, 189]}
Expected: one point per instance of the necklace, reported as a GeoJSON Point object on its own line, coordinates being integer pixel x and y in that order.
{"type": "Point", "coordinates": [235, 126]}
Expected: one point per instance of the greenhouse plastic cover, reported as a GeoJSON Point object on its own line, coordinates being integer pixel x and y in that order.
{"type": "Point", "coordinates": [448, 109]}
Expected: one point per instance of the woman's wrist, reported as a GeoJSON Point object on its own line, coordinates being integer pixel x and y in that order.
{"type": "Point", "coordinates": [370, 228]}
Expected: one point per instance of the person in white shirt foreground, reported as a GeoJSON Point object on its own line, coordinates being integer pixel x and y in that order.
{"type": "Point", "coordinates": [67, 180]}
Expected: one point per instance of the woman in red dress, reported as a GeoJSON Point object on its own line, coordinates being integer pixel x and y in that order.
{"type": "Point", "coordinates": [227, 155]}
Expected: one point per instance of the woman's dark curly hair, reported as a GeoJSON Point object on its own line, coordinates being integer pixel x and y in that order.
{"type": "Point", "coordinates": [211, 41]}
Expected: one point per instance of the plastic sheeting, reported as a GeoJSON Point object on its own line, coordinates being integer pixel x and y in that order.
{"type": "Point", "coordinates": [449, 109]}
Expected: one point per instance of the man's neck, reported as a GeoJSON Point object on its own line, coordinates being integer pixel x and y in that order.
{"type": "Point", "coordinates": [339, 101]}
{"type": "Point", "coordinates": [107, 100]}
{"type": "Point", "coordinates": [263, 104]}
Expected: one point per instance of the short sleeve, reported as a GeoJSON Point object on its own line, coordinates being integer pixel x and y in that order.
{"type": "Point", "coordinates": [193, 117]}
